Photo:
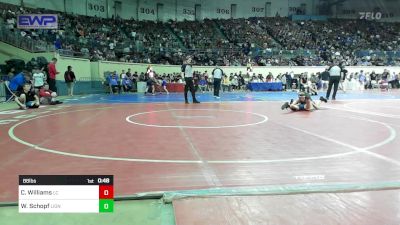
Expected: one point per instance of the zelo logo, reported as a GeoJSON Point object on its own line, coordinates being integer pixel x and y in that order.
{"type": "Point", "coordinates": [38, 21]}
{"type": "Point", "coordinates": [370, 15]}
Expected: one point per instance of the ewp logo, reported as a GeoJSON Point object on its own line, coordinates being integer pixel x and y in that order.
{"type": "Point", "coordinates": [38, 21]}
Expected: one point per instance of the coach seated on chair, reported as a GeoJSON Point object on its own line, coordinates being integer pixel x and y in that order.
{"type": "Point", "coordinates": [17, 82]}
{"type": "Point", "coordinates": [127, 84]}
{"type": "Point", "coordinates": [113, 82]}
{"type": "Point", "coordinates": [26, 98]}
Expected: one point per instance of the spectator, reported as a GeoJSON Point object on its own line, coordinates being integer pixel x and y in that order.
{"type": "Point", "coordinates": [11, 73]}
{"type": "Point", "coordinates": [203, 84]}
{"type": "Point", "coordinates": [226, 83]}
{"type": "Point", "coordinates": [113, 83]}
{"type": "Point", "coordinates": [129, 73]}
{"type": "Point", "coordinates": [150, 80]}
{"type": "Point", "coordinates": [57, 44]}
{"type": "Point", "coordinates": [234, 42]}
{"type": "Point", "coordinates": [164, 85]}
{"type": "Point", "coordinates": [52, 75]}
{"type": "Point", "coordinates": [126, 84]}
{"type": "Point", "coordinates": [362, 78]}
{"type": "Point", "coordinates": [325, 79]}
{"type": "Point", "coordinates": [70, 80]}
{"type": "Point", "coordinates": [123, 75]}
{"type": "Point", "coordinates": [288, 81]}
{"type": "Point", "coordinates": [234, 83]}
{"type": "Point", "coordinates": [38, 78]}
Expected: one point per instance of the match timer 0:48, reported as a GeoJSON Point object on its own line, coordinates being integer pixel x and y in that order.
{"type": "Point", "coordinates": [103, 180]}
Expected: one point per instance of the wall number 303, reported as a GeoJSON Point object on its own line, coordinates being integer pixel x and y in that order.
{"type": "Point", "coordinates": [97, 8]}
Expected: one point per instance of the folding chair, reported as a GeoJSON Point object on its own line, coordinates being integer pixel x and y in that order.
{"type": "Point", "coordinates": [13, 95]}
{"type": "Point", "coordinates": [374, 84]}
{"type": "Point", "coordinates": [384, 85]}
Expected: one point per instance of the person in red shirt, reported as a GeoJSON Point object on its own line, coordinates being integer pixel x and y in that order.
{"type": "Point", "coordinates": [48, 97]}
{"type": "Point", "coordinates": [52, 74]}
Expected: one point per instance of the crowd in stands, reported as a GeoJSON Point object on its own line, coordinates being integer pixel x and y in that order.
{"type": "Point", "coordinates": [36, 87]}
{"type": "Point", "coordinates": [127, 81]}
{"type": "Point", "coordinates": [271, 41]}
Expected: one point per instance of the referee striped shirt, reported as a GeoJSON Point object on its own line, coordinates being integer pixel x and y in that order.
{"type": "Point", "coordinates": [334, 71]}
{"type": "Point", "coordinates": [187, 70]}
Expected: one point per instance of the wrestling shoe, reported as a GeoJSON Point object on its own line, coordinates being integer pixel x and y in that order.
{"type": "Point", "coordinates": [285, 106]}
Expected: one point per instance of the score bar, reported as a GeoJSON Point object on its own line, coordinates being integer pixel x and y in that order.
{"type": "Point", "coordinates": [66, 193]}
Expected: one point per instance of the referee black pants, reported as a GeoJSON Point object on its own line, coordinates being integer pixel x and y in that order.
{"type": "Point", "coordinates": [189, 86]}
{"type": "Point", "coordinates": [333, 81]}
{"type": "Point", "coordinates": [217, 86]}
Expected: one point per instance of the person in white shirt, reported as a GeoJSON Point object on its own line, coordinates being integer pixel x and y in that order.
{"type": "Point", "coordinates": [123, 75]}
{"type": "Point", "coordinates": [111, 46]}
{"type": "Point", "coordinates": [235, 83]}
{"type": "Point", "coordinates": [38, 78]}
{"type": "Point", "coordinates": [217, 74]}
{"type": "Point", "coordinates": [150, 80]}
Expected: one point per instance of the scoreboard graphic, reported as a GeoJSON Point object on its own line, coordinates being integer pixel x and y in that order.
{"type": "Point", "coordinates": [66, 194]}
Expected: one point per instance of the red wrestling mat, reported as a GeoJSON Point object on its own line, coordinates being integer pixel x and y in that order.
{"type": "Point", "coordinates": [172, 146]}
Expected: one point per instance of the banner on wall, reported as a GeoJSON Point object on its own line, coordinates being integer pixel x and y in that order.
{"type": "Point", "coordinates": [186, 13]}
{"type": "Point", "coordinates": [257, 11]}
{"type": "Point", "coordinates": [37, 21]}
{"type": "Point", "coordinates": [97, 8]}
{"type": "Point", "coordinates": [147, 11]}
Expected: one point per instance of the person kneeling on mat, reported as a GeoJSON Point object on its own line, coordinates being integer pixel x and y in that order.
{"type": "Point", "coordinates": [303, 103]}
{"type": "Point", "coordinates": [27, 98]}
{"type": "Point", "coordinates": [48, 97]}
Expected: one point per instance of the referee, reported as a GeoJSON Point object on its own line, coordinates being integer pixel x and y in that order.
{"type": "Point", "coordinates": [334, 79]}
{"type": "Point", "coordinates": [217, 74]}
{"type": "Point", "coordinates": [187, 73]}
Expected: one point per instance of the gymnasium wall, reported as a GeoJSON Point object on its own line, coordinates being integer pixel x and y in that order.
{"type": "Point", "coordinates": [97, 70]}
{"type": "Point", "coordinates": [185, 9]}
{"type": "Point", "coordinates": [173, 9]}
{"type": "Point", "coordinates": [81, 67]}
{"type": "Point", "coordinates": [10, 52]}
{"type": "Point", "coordinates": [389, 9]}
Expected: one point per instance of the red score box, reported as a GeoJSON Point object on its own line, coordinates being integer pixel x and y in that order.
{"type": "Point", "coordinates": [106, 192]}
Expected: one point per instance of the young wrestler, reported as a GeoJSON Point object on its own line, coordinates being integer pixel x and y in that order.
{"type": "Point", "coordinates": [27, 98]}
{"type": "Point", "coordinates": [303, 103]}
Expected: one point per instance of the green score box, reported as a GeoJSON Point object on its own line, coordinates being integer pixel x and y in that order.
{"type": "Point", "coordinates": [106, 205]}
